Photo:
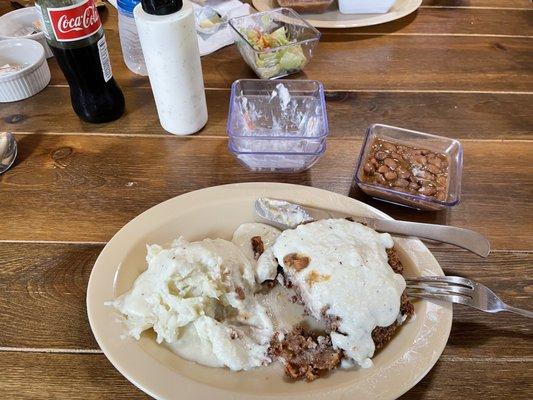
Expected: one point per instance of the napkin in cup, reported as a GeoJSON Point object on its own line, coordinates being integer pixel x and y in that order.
{"type": "Point", "coordinates": [227, 9]}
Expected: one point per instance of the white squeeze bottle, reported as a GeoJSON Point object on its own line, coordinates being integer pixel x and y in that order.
{"type": "Point", "coordinates": [170, 47]}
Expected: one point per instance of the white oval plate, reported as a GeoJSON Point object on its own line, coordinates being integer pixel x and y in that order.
{"type": "Point", "coordinates": [334, 19]}
{"type": "Point", "coordinates": [217, 212]}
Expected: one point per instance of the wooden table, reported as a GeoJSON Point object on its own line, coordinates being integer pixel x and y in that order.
{"type": "Point", "coordinates": [459, 68]}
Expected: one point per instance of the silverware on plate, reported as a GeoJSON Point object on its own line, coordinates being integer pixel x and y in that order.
{"type": "Point", "coordinates": [287, 215]}
{"type": "Point", "coordinates": [455, 289]}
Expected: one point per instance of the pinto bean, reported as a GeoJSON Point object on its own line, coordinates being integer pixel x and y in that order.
{"type": "Point", "coordinates": [369, 168]}
{"type": "Point", "coordinates": [402, 173]}
{"type": "Point", "coordinates": [427, 190]}
{"type": "Point", "coordinates": [383, 169]}
{"type": "Point", "coordinates": [442, 180]}
{"type": "Point", "coordinates": [381, 155]}
{"type": "Point", "coordinates": [378, 178]}
{"type": "Point", "coordinates": [402, 183]}
{"type": "Point", "coordinates": [389, 146]}
{"type": "Point", "coordinates": [391, 175]}
{"type": "Point", "coordinates": [433, 169]}
{"type": "Point", "coordinates": [389, 162]}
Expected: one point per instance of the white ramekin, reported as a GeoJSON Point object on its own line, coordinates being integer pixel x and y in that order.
{"type": "Point", "coordinates": [32, 78]}
{"type": "Point", "coordinates": [14, 21]}
{"type": "Point", "coordinates": [365, 6]}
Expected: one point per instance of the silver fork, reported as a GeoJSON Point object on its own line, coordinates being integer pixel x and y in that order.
{"type": "Point", "coordinates": [455, 289]}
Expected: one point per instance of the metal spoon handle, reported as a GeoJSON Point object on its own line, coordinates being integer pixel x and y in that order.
{"type": "Point", "coordinates": [464, 238]}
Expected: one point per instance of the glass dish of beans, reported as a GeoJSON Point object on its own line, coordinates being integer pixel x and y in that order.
{"type": "Point", "coordinates": [410, 168]}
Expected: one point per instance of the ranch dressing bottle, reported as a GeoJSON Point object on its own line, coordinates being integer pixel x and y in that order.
{"type": "Point", "coordinates": [170, 47]}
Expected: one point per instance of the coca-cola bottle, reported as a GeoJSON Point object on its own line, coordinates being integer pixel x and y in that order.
{"type": "Point", "coordinates": [74, 32]}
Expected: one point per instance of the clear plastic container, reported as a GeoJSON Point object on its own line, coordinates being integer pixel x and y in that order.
{"type": "Point", "coordinates": [279, 61]}
{"type": "Point", "coordinates": [277, 126]}
{"type": "Point", "coordinates": [277, 162]}
{"type": "Point", "coordinates": [129, 38]}
{"type": "Point", "coordinates": [438, 144]}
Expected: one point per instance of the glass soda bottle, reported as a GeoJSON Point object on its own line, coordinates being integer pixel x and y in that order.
{"type": "Point", "coordinates": [74, 32]}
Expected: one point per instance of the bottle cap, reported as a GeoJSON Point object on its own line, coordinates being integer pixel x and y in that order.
{"type": "Point", "coordinates": [127, 5]}
{"type": "Point", "coordinates": [161, 7]}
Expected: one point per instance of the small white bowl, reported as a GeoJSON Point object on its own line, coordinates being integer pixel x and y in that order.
{"type": "Point", "coordinates": [365, 6]}
{"type": "Point", "coordinates": [34, 75]}
{"type": "Point", "coordinates": [14, 24]}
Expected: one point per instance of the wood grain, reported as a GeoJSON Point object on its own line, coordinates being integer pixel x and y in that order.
{"type": "Point", "coordinates": [46, 283]}
{"type": "Point", "coordinates": [459, 21]}
{"type": "Point", "coordinates": [479, 3]}
{"type": "Point", "coordinates": [69, 376]}
{"type": "Point", "coordinates": [91, 376]}
{"type": "Point", "coordinates": [458, 115]}
{"type": "Point", "coordinates": [103, 182]}
{"type": "Point", "coordinates": [392, 62]}
{"type": "Point", "coordinates": [376, 62]}
{"type": "Point", "coordinates": [476, 334]}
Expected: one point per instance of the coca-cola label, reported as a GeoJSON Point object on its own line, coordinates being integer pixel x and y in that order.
{"type": "Point", "coordinates": [74, 22]}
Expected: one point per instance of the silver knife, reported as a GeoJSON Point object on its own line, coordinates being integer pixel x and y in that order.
{"type": "Point", "coordinates": [286, 215]}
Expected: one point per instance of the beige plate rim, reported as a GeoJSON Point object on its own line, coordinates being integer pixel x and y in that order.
{"type": "Point", "coordinates": [397, 368]}
{"type": "Point", "coordinates": [400, 9]}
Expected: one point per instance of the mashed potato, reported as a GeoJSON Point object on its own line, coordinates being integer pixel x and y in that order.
{"type": "Point", "coordinates": [199, 298]}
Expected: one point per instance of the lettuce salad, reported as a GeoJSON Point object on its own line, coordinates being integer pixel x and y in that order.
{"type": "Point", "coordinates": [274, 63]}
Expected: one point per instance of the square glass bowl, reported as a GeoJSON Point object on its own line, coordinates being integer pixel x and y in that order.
{"type": "Point", "coordinates": [279, 60]}
{"type": "Point", "coordinates": [277, 126]}
{"type": "Point", "coordinates": [404, 137]}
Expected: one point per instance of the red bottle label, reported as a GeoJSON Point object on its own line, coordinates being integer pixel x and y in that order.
{"type": "Point", "coordinates": [74, 22]}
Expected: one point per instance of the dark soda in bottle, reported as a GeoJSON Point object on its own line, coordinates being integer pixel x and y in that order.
{"type": "Point", "coordinates": [74, 33]}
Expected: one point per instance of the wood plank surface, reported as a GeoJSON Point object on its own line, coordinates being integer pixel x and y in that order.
{"type": "Point", "coordinates": [526, 4]}
{"type": "Point", "coordinates": [454, 21]}
{"type": "Point", "coordinates": [50, 280]}
{"type": "Point", "coordinates": [106, 181]}
{"type": "Point", "coordinates": [376, 62]}
{"type": "Point", "coordinates": [457, 115]}
{"type": "Point", "coordinates": [90, 376]}
{"type": "Point", "coordinates": [392, 62]}
{"type": "Point", "coordinates": [69, 376]}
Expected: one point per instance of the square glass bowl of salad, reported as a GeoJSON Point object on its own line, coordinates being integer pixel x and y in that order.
{"type": "Point", "coordinates": [274, 43]}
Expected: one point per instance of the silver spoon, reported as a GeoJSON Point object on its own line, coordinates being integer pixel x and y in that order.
{"type": "Point", "coordinates": [8, 151]}
{"type": "Point", "coordinates": [285, 215]}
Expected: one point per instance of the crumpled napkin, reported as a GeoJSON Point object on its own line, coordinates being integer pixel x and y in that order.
{"type": "Point", "coordinates": [223, 37]}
